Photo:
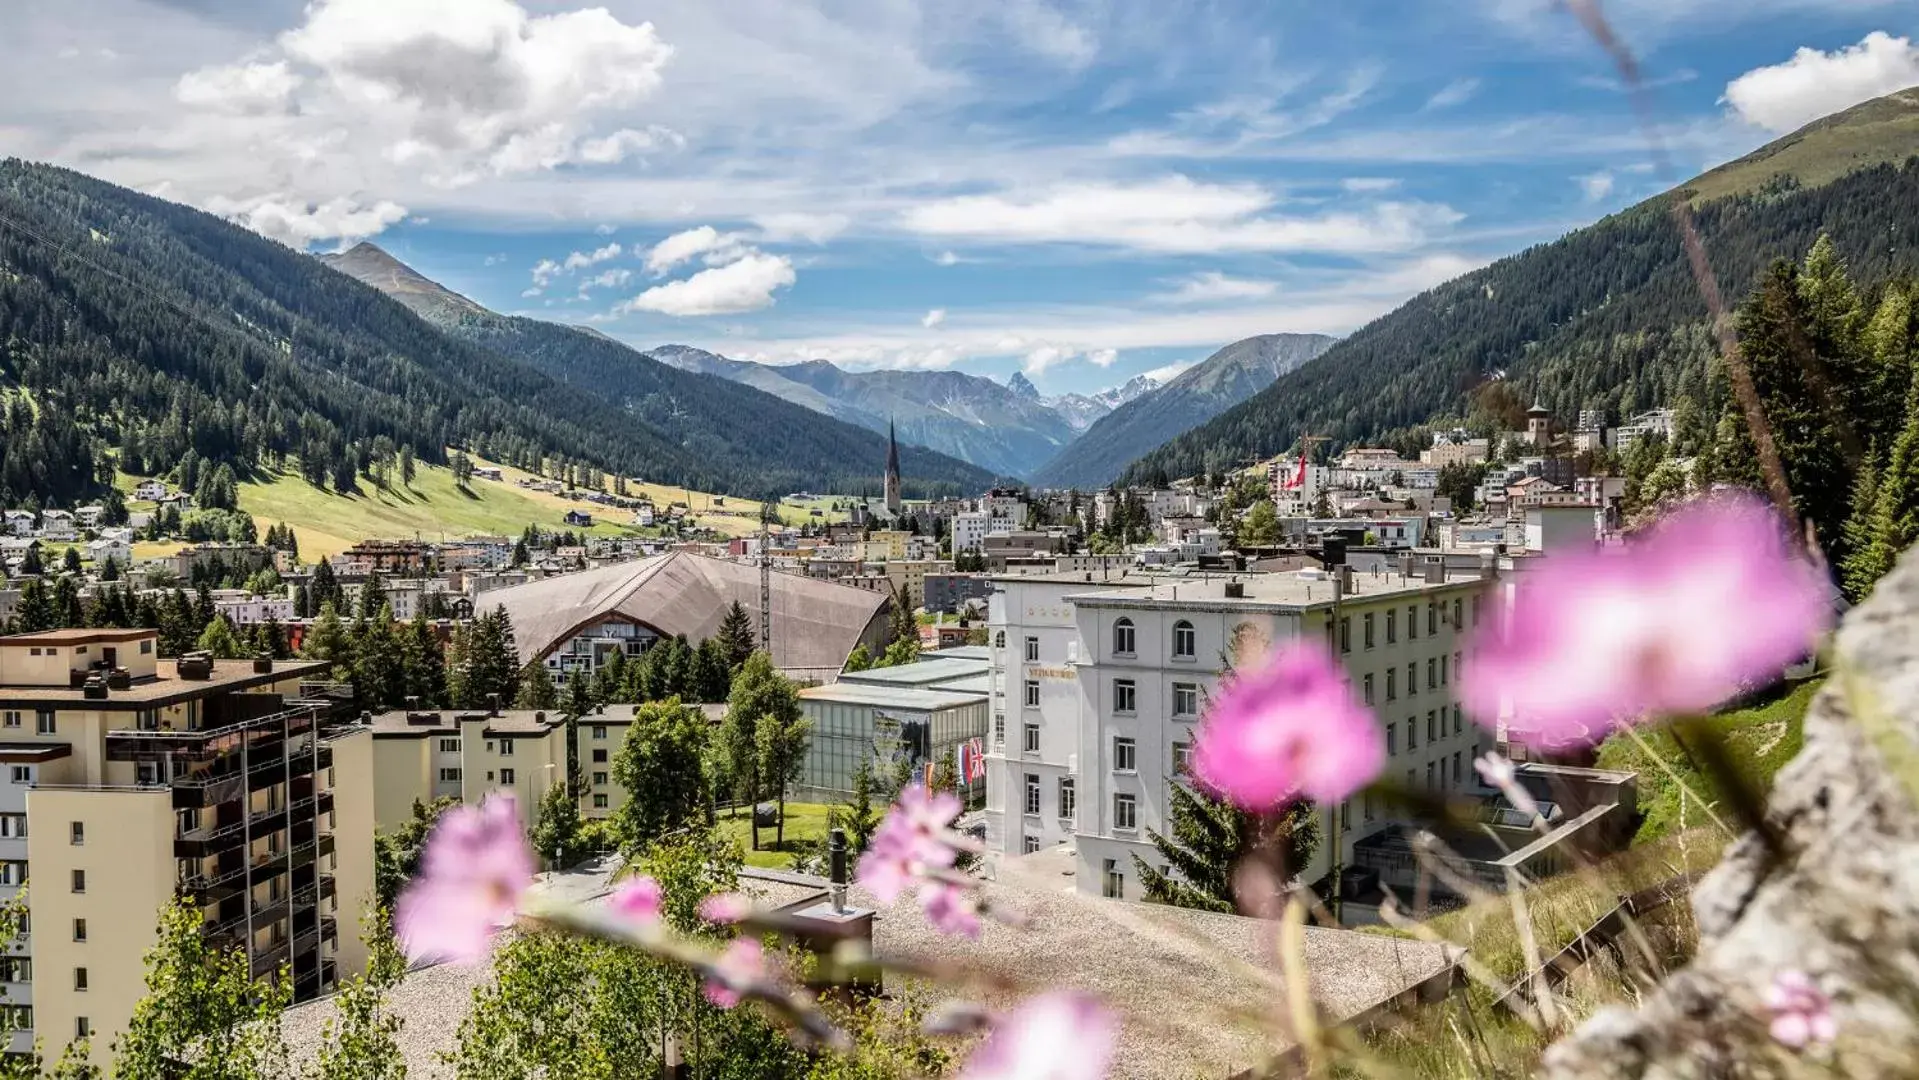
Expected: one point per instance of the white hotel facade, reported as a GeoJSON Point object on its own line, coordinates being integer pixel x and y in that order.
{"type": "Point", "coordinates": [1097, 685]}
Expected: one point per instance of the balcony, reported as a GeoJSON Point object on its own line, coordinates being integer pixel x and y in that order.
{"type": "Point", "coordinates": [212, 840]}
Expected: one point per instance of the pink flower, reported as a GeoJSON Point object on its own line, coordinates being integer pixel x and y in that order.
{"type": "Point", "coordinates": [742, 964]}
{"type": "Point", "coordinates": [475, 868]}
{"type": "Point", "coordinates": [1801, 1012]}
{"type": "Point", "coordinates": [638, 898]}
{"type": "Point", "coordinates": [951, 908]}
{"type": "Point", "coordinates": [1498, 772]}
{"type": "Point", "coordinates": [725, 907]}
{"type": "Point", "coordinates": [1061, 1035]}
{"type": "Point", "coordinates": [913, 839]}
{"type": "Point", "coordinates": [1286, 730]}
{"type": "Point", "coordinates": [1712, 599]}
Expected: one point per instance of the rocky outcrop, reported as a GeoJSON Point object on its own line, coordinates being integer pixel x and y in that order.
{"type": "Point", "coordinates": [1840, 901]}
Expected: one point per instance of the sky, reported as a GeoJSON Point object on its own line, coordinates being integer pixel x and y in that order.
{"type": "Point", "coordinates": [1083, 190]}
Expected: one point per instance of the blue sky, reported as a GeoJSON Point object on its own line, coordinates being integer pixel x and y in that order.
{"type": "Point", "coordinates": [1081, 189]}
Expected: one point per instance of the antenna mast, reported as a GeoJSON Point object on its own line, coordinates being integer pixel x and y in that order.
{"type": "Point", "coordinates": [766, 585]}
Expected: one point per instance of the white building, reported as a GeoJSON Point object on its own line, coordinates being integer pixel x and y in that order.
{"type": "Point", "coordinates": [150, 491]}
{"type": "Point", "coordinates": [1006, 510]}
{"type": "Point", "coordinates": [103, 549]}
{"type": "Point", "coordinates": [1655, 422]}
{"type": "Point", "coordinates": [245, 609]}
{"type": "Point", "coordinates": [970, 530]}
{"type": "Point", "coordinates": [1097, 689]}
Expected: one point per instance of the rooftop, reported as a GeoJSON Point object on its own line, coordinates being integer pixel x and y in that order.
{"type": "Point", "coordinates": [923, 673]}
{"type": "Point", "coordinates": [73, 636]}
{"type": "Point", "coordinates": [167, 688]}
{"type": "Point", "coordinates": [1298, 589]}
{"type": "Point", "coordinates": [890, 697]}
{"type": "Point", "coordinates": [958, 652]}
{"type": "Point", "coordinates": [402, 723]}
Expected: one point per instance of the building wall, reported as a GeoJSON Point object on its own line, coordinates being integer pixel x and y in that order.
{"type": "Point", "coordinates": [351, 779]}
{"type": "Point", "coordinates": [536, 762]}
{"type": "Point", "coordinates": [600, 798]}
{"type": "Point", "coordinates": [399, 775]}
{"type": "Point", "coordinates": [128, 859]}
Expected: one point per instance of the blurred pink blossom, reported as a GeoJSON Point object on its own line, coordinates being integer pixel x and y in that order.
{"type": "Point", "coordinates": [1711, 599]}
{"type": "Point", "coordinates": [909, 849]}
{"type": "Point", "coordinates": [1062, 1035]}
{"type": "Point", "coordinates": [740, 965]}
{"type": "Point", "coordinates": [1500, 773]}
{"type": "Point", "coordinates": [951, 908]}
{"type": "Point", "coordinates": [1285, 730]}
{"type": "Point", "coordinates": [638, 898]}
{"type": "Point", "coordinates": [472, 875]}
{"type": "Point", "coordinates": [728, 907]}
{"type": "Point", "coordinates": [1801, 1012]}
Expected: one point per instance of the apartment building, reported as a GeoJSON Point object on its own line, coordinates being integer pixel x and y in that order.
{"type": "Point", "coordinates": [424, 756]}
{"type": "Point", "coordinates": [128, 780]}
{"type": "Point", "coordinates": [1098, 688]}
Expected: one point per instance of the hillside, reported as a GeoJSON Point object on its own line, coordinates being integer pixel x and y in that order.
{"type": "Point", "coordinates": [747, 441]}
{"type": "Point", "coordinates": [1607, 317]}
{"type": "Point", "coordinates": [1884, 131]}
{"type": "Point", "coordinates": [1200, 393]}
{"type": "Point", "coordinates": [968, 417]}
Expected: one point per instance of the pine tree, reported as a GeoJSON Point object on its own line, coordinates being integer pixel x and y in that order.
{"type": "Point", "coordinates": [67, 610]}
{"type": "Point", "coordinates": [1208, 840]}
{"type": "Point", "coordinates": [1893, 523]}
{"type": "Point", "coordinates": [372, 595]}
{"type": "Point", "coordinates": [379, 670]}
{"type": "Point", "coordinates": [34, 610]}
{"type": "Point", "coordinates": [536, 689]}
{"type": "Point", "coordinates": [219, 639]}
{"type": "Point", "coordinates": [738, 634]}
{"type": "Point", "coordinates": [579, 695]}
{"type": "Point", "coordinates": [556, 831]}
{"type": "Point", "coordinates": [327, 639]}
{"type": "Point", "coordinates": [70, 561]}
{"type": "Point", "coordinates": [422, 663]}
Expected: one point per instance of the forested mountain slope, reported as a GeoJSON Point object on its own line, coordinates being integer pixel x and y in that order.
{"type": "Point", "coordinates": [1606, 317]}
{"type": "Point", "coordinates": [135, 322]}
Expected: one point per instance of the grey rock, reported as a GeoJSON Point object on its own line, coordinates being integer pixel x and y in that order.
{"type": "Point", "coordinates": [1841, 901]}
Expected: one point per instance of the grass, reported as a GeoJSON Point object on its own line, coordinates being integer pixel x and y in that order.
{"type": "Point", "coordinates": [805, 823]}
{"type": "Point", "coordinates": [1876, 133]}
{"type": "Point", "coordinates": [1759, 739]}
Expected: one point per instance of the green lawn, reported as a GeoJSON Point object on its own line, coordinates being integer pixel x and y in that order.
{"type": "Point", "coordinates": [804, 822]}
{"type": "Point", "coordinates": [1759, 740]}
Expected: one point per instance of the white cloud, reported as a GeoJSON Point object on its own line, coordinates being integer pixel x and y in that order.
{"type": "Point", "coordinates": [1102, 358]}
{"type": "Point", "coordinates": [604, 229]}
{"type": "Point", "coordinates": [746, 284]}
{"type": "Point", "coordinates": [1368, 184]}
{"type": "Point", "coordinates": [798, 225]}
{"type": "Point", "coordinates": [933, 318]}
{"type": "Point", "coordinates": [299, 223]}
{"type": "Point", "coordinates": [1045, 31]}
{"type": "Point", "coordinates": [1596, 185]}
{"type": "Point", "coordinates": [240, 88]}
{"type": "Point", "coordinates": [947, 258]}
{"type": "Point", "coordinates": [580, 260]}
{"type": "Point", "coordinates": [1213, 287]}
{"type": "Point", "coordinates": [1457, 92]}
{"type": "Point", "coordinates": [1814, 84]}
{"type": "Point", "coordinates": [494, 259]}
{"type": "Point", "coordinates": [717, 247]}
{"type": "Point", "coordinates": [1167, 373]}
{"type": "Point", "coordinates": [605, 279]}
{"type": "Point", "coordinates": [1175, 214]}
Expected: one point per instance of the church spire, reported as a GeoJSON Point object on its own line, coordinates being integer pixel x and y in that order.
{"type": "Point", "coordinates": [891, 485]}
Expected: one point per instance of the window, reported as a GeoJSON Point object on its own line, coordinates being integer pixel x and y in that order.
{"type": "Point", "coordinates": [999, 731]}
{"type": "Point", "coordinates": [13, 872]}
{"type": "Point", "coordinates": [1412, 622]}
{"type": "Point", "coordinates": [1125, 697]}
{"type": "Point", "coordinates": [1032, 794]}
{"type": "Point", "coordinates": [506, 747]}
{"type": "Point", "coordinates": [1368, 621]}
{"type": "Point", "coordinates": [1432, 617]}
{"type": "Point", "coordinates": [1392, 627]}
{"type": "Point", "coordinates": [147, 773]}
{"type": "Point", "coordinates": [43, 722]}
{"type": "Point", "coordinates": [506, 776]}
{"type": "Point", "coordinates": [1068, 798]}
{"type": "Point", "coordinates": [1410, 779]}
{"type": "Point", "coordinates": [1457, 724]}
{"type": "Point", "coordinates": [1185, 641]}
{"type": "Point", "coordinates": [83, 1027]}
{"type": "Point", "coordinates": [599, 800]}
{"type": "Point", "coordinates": [999, 640]}
{"type": "Point", "coordinates": [13, 825]}
{"type": "Point", "coordinates": [1124, 757]}
{"type": "Point", "coordinates": [11, 717]}
{"type": "Point", "coordinates": [1346, 634]}
{"type": "Point", "coordinates": [449, 776]}
{"type": "Point", "coordinates": [1366, 804]}
{"type": "Point", "coordinates": [1113, 883]}
{"type": "Point", "coordinates": [599, 731]}
{"type": "Point", "coordinates": [1032, 693]}
{"type": "Point", "coordinates": [1445, 670]}
{"type": "Point", "coordinates": [79, 881]}
{"type": "Point", "coordinates": [1455, 623]}
{"type": "Point", "coordinates": [23, 774]}
{"type": "Point", "coordinates": [146, 647]}
{"type": "Point", "coordinates": [1367, 682]}
{"type": "Point", "coordinates": [1392, 684]}
{"type": "Point", "coordinates": [35, 650]}
{"type": "Point", "coordinates": [449, 746]}
{"type": "Point", "coordinates": [1429, 776]}
{"type": "Point", "coordinates": [1412, 679]}
{"type": "Point", "coordinates": [1185, 699]}
{"type": "Point", "coordinates": [1432, 669]}
{"type": "Point", "coordinates": [1032, 650]}
{"type": "Point", "coordinates": [1476, 606]}
{"type": "Point", "coordinates": [1029, 844]}
{"type": "Point", "coordinates": [1412, 733]}
{"type": "Point", "coordinates": [1456, 668]}
{"type": "Point", "coordinates": [1346, 816]}
{"type": "Point", "coordinates": [79, 929]}
{"type": "Point", "coordinates": [1455, 768]}
{"type": "Point", "coordinates": [79, 978]}
{"type": "Point", "coordinates": [599, 757]}
{"type": "Point", "coordinates": [1032, 738]}
{"type": "Point", "coordinates": [1392, 738]}
{"type": "Point", "coordinates": [1123, 638]}
{"type": "Point", "coordinates": [1125, 811]}
{"type": "Point", "coordinates": [16, 969]}
{"type": "Point", "coordinates": [599, 779]}
{"type": "Point", "coordinates": [1182, 758]}
{"type": "Point", "coordinates": [1430, 733]}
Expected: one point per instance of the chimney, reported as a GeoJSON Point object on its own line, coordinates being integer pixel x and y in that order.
{"type": "Point", "coordinates": [1489, 566]}
{"type": "Point", "coordinates": [1332, 550]}
{"type": "Point", "coordinates": [94, 688]}
{"type": "Point", "coordinates": [1342, 580]}
{"type": "Point", "coordinates": [263, 663]}
{"type": "Point", "coordinates": [1235, 590]}
{"type": "Point", "coordinates": [493, 703]}
{"type": "Point", "coordinates": [1436, 571]}
{"type": "Point", "coordinates": [1405, 564]}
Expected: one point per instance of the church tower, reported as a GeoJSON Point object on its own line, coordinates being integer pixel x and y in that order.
{"type": "Point", "coordinates": [892, 471]}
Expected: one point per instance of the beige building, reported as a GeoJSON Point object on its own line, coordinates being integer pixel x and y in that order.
{"type": "Point", "coordinates": [423, 756]}
{"type": "Point", "coordinates": [126, 780]}
{"type": "Point", "coordinates": [910, 575]}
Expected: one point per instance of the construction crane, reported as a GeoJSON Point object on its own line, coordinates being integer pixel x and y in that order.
{"type": "Point", "coordinates": [766, 581]}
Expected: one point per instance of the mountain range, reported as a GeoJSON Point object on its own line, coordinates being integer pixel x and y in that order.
{"type": "Point", "coordinates": [1609, 317]}
{"type": "Point", "coordinates": [1196, 395]}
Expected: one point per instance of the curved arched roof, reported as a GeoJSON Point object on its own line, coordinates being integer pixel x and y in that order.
{"type": "Point", "coordinates": [815, 623]}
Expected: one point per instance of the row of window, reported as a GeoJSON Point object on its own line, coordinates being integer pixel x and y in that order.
{"type": "Point", "coordinates": [43, 721]}
{"type": "Point", "coordinates": [1435, 618]}
{"type": "Point", "coordinates": [1435, 729]}
{"type": "Point", "coordinates": [1125, 805]}
{"type": "Point", "coordinates": [1126, 697]}
{"type": "Point", "coordinates": [1439, 672]}
{"type": "Point", "coordinates": [1126, 641]}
